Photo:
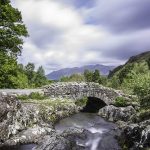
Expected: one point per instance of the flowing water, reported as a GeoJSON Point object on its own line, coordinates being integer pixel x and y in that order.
{"type": "Point", "coordinates": [100, 135]}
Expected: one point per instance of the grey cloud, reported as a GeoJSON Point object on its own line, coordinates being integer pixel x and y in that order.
{"type": "Point", "coordinates": [42, 36]}
{"type": "Point", "coordinates": [129, 46]}
{"type": "Point", "coordinates": [121, 16]}
{"type": "Point", "coordinates": [79, 3]}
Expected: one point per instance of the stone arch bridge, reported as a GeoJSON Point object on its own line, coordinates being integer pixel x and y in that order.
{"type": "Point", "coordinates": [74, 90]}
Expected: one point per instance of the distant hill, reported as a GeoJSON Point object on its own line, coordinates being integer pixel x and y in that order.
{"type": "Point", "coordinates": [138, 59]}
{"type": "Point", "coordinates": [56, 75]}
{"type": "Point", "coordinates": [133, 76]}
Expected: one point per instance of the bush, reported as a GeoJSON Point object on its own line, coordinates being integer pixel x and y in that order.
{"type": "Point", "coordinates": [145, 101]}
{"type": "Point", "coordinates": [36, 95]}
{"type": "Point", "coordinates": [120, 102]}
{"type": "Point", "coordinates": [81, 102]}
{"type": "Point", "coordinates": [144, 114]}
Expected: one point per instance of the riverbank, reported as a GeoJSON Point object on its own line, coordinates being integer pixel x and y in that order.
{"type": "Point", "coordinates": [26, 122]}
{"type": "Point", "coordinates": [33, 120]}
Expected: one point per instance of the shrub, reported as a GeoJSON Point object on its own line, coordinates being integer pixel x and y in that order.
{"type": "Point", "coordinates": [145, 101]}
{"type": "Point", "coordinates": [144, 114]}
{"type": "Point", "coordinates": [120, 102]}
{"type": "Point", "coordinates": [36, 95]}
{"type": "Point", "coordinates": [81, 102]}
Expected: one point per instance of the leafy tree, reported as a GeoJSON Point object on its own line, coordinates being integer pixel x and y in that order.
{"type": "Point", "coordinates": [8, 67]}
{"type": "Point", "coordinates": [96, 76]}
{"type": "Point", "coordinates": [29, 69]}
{"type": "Point", "coordinates": [12, 29]}
{"type": "Point", "coordinates": [88, 75]}
{"type": "Point", "coordinates": [40, 78]}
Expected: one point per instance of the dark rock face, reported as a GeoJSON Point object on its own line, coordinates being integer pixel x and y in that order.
{"type": "Point", "coordinates": [137, 136]}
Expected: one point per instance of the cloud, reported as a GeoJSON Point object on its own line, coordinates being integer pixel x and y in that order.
{"type": "Point", "coordinates": [120, 16]}
{"type": "Point", "coordinates": [68, 33]}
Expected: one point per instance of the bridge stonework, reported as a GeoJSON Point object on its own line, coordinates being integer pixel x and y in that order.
{"type": "Point", "coordinates": [74, 90]}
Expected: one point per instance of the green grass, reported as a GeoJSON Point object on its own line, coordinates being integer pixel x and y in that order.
{"type": "Point", "coordinates": [33, 95]}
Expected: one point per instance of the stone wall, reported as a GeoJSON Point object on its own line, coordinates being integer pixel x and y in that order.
{"type": "Point", "coordinates": [74, 90]}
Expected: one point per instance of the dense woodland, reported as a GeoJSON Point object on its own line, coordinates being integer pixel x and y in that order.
{"type": "Point", "coordinates": [12, 32]}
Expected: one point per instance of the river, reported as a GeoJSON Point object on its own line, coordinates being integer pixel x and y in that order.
{"type": "Point", "coordinates": [99, 135]}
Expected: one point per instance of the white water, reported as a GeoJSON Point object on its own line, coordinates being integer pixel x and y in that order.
{"type": "Point", "coordinates": [97, 128]}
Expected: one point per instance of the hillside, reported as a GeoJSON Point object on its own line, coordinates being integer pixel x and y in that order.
{"type": "Point", "coordinates": [134, 74]}
{"type": "Point", "coordinates": [56, 75]}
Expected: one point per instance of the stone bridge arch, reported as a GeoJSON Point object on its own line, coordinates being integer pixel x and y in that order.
{"type": "Point", "coordinates": [74, 90]}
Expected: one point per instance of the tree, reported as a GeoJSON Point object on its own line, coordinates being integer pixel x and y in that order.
{"type": "Point", "coordinates": [12, 29]}
{"type": "Point", "coordinates": [8, 69]}
{"type": "Point", "coordinates": [96, 76]}
{"type": "Point", "coordinates": [29, 69]}
{"type": "Point", "coordinates": [40, 78]}
{"type": "Point", "coordinates": [88, 75]}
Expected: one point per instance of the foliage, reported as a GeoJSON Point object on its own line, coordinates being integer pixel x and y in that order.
{"type": "Point", "coordinates": [88, 75]}
{"type": "Point", "coordinates": [8, 67]}
{"type": "Point", "coordinates": [148, 62]}
{"type": "Point", "coordinates": [33, 95]}
{"type": "Point", "coordinates": [81, 102]}
{"type": "Point", "coordinates": [145, 102]}
{"type": "Point", "coordinates": [120, 102]}
{"type": "Point", "coordinates": [103, 80]}
{"type": "Point", "coordinates": [96, 76]}
{"type": "Point", "coordinates": [12, 29]}
{"type": "Point", "coordinates": [142, 85]}
{"type": "Point", "coordinates": [144, 114]}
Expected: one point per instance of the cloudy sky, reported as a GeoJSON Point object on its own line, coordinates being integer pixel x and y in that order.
{"type": "Point", "coordinates": [67, 33]}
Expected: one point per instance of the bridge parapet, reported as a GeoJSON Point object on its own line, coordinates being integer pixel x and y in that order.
{"type": "Point", "coordinates": [74, 90]}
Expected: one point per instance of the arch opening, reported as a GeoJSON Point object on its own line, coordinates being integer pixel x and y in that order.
{"type": "Point", "coordinates": [93, 105]}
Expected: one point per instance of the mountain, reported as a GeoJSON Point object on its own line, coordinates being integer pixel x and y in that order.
{"type": "Point", "coordinates": [56, 75]}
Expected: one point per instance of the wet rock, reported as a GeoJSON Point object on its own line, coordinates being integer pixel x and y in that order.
{"type": "Point", "coordinates": [137, 136]}
{"type": "Point", "coordinates": [113, 113]}
{"type": "Point", "coordinates": [60, 141]}
{"type": "Point", "coordinates": [112, 137]}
